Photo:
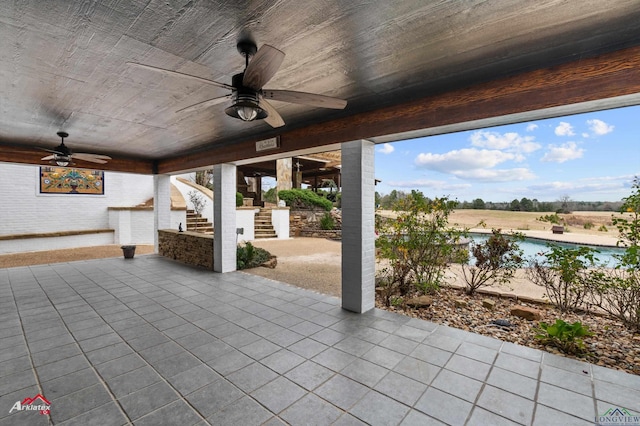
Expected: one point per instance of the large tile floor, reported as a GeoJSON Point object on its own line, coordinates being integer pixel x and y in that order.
{"type": "Point", "coordinates": [151, 342]}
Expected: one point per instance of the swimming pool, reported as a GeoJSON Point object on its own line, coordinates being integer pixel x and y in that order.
{"type": "Point", "coordinates": [533, 247]}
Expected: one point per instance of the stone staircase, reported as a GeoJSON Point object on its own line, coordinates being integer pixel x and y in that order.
{"type": "Point", "coordinates": [197, 223]}
{"type": "Point", "coordinates": [263, 225]}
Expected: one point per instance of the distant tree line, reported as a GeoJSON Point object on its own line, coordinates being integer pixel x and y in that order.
{"type": "Point", "coordinates": [563, 205]}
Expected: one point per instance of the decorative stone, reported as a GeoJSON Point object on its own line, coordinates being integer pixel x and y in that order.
{"type": "Point", "coordinates": [501, 323]}
{"type": "Point", "coordinates": [526, 313]}
{"type": "Point", "coordinates": [489, 304]}
{"type": "Point", "coordinates": [420, 302]}
{"type": "Point", "coordinates": [271, 263]}
{"type": "Point", "coordinates": [460, 303]}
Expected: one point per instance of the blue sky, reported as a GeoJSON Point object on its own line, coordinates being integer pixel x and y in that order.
{"type": "Point", "coordinates": [588, 157]}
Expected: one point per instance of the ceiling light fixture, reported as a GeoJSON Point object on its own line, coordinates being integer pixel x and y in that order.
{"type": "Point", "coordinates": [246, 103]}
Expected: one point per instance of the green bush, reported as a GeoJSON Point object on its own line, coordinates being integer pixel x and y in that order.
{"type": "Point", "coordinates": [239, 199]}
{"type": "Point", "coordinates": [566, 274]}
{"type": "Point", "coordinates": [250, 256]}
{"type": "Point", "coordinates": [551, 218]}
{"type": "Point", "coordinates": [588, 225]}
{"type": "Point", "coordinates": [496, 261]}
{"type": "Point", "coordinates": [419, 243]}
{"type": "Point", "coordinates": [304, 198]}
{"type": "Point", "coordinates": [566, 337]}
{"type": "Point", "coordinates": [327, 223]}
{"type": "Point", "coordinates": [603, 229]}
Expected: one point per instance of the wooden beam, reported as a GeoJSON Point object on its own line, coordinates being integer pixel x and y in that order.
{"type": "Point", "coordinates": [14, 154]}
{"type": "Point", "coordinates": [606, 76]}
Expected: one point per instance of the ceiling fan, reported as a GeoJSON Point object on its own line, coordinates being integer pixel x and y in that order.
{"type": "Point", "coordinates": [62, 155]}
{"type": "Point", "coordinates": [249, 98]}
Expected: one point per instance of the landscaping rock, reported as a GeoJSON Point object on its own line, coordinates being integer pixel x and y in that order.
{"type": "Point", "coordinates": [420, 302]}
{"type": "Point", "coordinates": [460, 303]}
{"type": "Point", "coordinates": [489, 304]}
{"type": "Point", "coordinates": [526, 313]}
{"type": "Point", "coordinates": [271, 263]}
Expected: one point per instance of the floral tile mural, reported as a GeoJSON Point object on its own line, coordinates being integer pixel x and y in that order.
{"type": "Point", "coordinates": [67, 180]}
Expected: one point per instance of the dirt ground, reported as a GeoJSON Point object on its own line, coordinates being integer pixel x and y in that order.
{"type": "Point", "coordinates": [315, 264]}
{"type": "Point", "coordinates": [67, 255]}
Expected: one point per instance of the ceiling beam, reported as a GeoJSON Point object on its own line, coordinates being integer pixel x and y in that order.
{"type": "Point", "coordinates": [14, 154]}
{"type": "Point", "coordinates": [584, 80]}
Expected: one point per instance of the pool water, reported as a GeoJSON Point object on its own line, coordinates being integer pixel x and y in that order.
{"type": "Point", "coordinates": [532, 247]}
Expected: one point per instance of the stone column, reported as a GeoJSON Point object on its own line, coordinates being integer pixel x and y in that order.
{"type": "Point", "coordinates": [283, 174]}
{"type": "Point", "coordinates": [161, 205]}
{"type": "Point", "coordinates": [224, 218]}
{"type": "Point", "coordinates": [358, 231]}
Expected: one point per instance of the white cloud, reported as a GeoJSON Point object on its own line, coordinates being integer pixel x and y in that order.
{"type": "Point", "coordinates": [505, 175]}
{"type": "Point", "coordinates": [585, 135]}
{"type": "Point", "coordinates": [387, 148]}
{"type": "Point", "coordinates": [425, 183]}
{"type": "Point", "coordinates": [510, 142]}
{"type": "Point", "coordinates": [562, 153]}
{"type": "Point", "coordinates": [599, 127]}
{"type": "Point", "coordinates": [564, 129]}
{"type": "Point", "coordinates": [531, 127]}
{"type": "Point", "coordinates": [463, 159]}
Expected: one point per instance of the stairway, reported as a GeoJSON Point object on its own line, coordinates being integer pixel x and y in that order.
{"type": "Point", "coordinates": [263, 227]}
{"type": "Point", "coordinates": [197, 223]}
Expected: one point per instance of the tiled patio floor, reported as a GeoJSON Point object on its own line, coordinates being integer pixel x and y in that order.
{"type": "Point", "coordinates": [151, 342]}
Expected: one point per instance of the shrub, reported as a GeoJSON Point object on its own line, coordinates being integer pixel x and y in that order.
{"type": "Point", "coordinates": [588, 225]}
{"type": "Point", "coordinates": [603, 229]}
{"type": "Point", "coordinates": [250, 256]}
{"type": "Point", "coordinates": [239, 199]}
{"type": "Point", "coordinates": [564, 274]}
{"type": "Point", "coordinates": [304, 198]}
{"type": "Point", "coordinates": [566, 337]}
{"type": "Point", "coordinates": [618, 291]}
{"type": "Point", "coordinates": [551, 218]}
{"type": "Point", "coordinates": [496, 261]}
{"type": "Point", "coordinates": [419, 243]}
{"type": "Point", "coordinates": [327, 223]}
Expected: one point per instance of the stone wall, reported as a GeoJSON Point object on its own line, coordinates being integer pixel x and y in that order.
{"type": "Point", "coordinates": [303, 223]}
{"type": "Point", "coordinates": [192, 248]}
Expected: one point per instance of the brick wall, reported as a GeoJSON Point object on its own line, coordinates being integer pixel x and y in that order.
{"type": "Point", "coordinates": [187, 247]}
{"type": "Point", "coordinates": [24, 210]}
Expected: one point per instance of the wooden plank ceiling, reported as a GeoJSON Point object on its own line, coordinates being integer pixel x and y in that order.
{"type": "Point", "coordinates": [403, 66]}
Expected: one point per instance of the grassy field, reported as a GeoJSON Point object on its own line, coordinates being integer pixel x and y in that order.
{"type": "Point", "coordinates": [521, 221]}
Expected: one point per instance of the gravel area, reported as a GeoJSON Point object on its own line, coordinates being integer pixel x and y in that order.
{"type": "Point", "coordinates": [612, 345]}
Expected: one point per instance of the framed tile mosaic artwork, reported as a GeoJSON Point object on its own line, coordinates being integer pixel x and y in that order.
{"type": "Point", "coordinates": [68, 180]}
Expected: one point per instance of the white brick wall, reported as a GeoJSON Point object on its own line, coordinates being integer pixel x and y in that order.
{"type": "Point", "coordinates": [224, 226]}
{"type": "Point", "coordinates": [358, 228]}
{"type": "Point", "coordinates": [24, 210]}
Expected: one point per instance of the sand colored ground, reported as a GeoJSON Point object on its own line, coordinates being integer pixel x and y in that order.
{"type": "Point", "coordinates": [315, 263]}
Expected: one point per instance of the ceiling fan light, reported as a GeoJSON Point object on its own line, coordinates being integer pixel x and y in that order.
{"type": "Point", "coordinates": [246, 107]}
{"type": "Point", "coordinates": [62, 160]}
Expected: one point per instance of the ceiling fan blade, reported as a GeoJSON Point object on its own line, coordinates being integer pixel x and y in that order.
{"type": "Point", "coordinates": [311, 99]}
{"type": "Point", "coordinates": [53, 150]}
{"type": "Point", "coordinates": [93, 158]}
{"type": "Point", "coordinates": [181, 74]}
{"type": "Point", "coordinates": [205, 104]}
{"type": "Point", "coordinates": [263, 66]}
{"type": "Point", "coordinates": [48, 157]}
{"type": "Point", "coordinates": [273, 119]}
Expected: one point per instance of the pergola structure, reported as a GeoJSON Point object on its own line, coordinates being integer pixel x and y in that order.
{"type": "Point", "coordinates": [407, 69]}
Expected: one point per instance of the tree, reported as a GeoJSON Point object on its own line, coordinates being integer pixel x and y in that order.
{"type": "Point", "coordinates": [204, 178]}
{"type": "Point", "coordinates": [515, 206]}
{"type": "Point", "coordinates": [478, 204]}
{"type": "Point", "coordinates": [565, 204]}
{"type": "Point", "coordinates": [526, 205]}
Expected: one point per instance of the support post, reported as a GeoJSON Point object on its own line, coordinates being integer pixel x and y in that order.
{"type": "Point", "coordinates": [358, 229]}
{"type": "Point", "coordinates": [161, 206]}
{"type": "Point", "coordinates": [224, 218]}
